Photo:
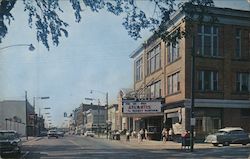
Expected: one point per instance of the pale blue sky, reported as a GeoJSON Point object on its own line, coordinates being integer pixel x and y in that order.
{"type": "Point", "coordinates": [94, 56]}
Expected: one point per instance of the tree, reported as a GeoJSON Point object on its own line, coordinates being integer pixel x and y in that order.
{"type": "Point", "coordinates": [44, 15]}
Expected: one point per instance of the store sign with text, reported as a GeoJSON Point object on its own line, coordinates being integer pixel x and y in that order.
{"type": "Point", "coordinates": [139, 107]}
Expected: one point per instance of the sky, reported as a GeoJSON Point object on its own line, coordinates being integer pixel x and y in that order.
{"type": "Point", "coordinates": [95, 56]}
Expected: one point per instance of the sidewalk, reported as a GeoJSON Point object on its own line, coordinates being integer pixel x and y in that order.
{"type": "Point", "coordinates": [152, 144]}
{"type": "Point", "coordinates": [30, 138]}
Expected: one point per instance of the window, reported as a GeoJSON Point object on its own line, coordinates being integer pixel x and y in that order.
{"type": "Point", "coordinates": [154, 90]}
{"type": "Point", "coordinates": [153, 60]}
{"type": "Point", "coordinates": [208, 40]}
{"type": "Point", "coordinates": [173, 83]}
{"type": "Point", "coordinates": [243, 82]}
{"type": "Point", "coordinates": [173, 51]}
{"type": "Point", "coordinates": [138, 70]}
{"type": "Point", "coordinates": [238, 43]}
{"type": "Point", "coordinates": [245, 112]}
{"type": "Point", "coordinates": [208, 80]}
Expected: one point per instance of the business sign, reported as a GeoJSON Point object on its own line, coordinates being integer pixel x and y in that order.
{"type": "Point", "coordinates": [141, 107]}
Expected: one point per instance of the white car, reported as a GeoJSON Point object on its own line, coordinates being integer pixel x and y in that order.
{"type": "Point", "coordinates": [89, 133]}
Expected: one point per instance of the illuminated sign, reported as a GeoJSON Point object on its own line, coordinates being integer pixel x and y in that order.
{"type": "Point", "coordinates": [139, 107]}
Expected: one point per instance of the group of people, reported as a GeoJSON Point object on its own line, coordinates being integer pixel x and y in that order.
{"type": "Point", "coordinates": [143, 134]}
{"type": "Point", "coordinates": [167, 134]}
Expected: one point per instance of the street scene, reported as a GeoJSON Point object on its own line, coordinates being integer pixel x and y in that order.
{"type": "Point", "coordinates": [124, 79]}
{"type": "Point", "coordinates": [88, 147]}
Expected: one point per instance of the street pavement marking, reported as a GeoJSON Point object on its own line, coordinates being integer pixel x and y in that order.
{"type": "Point", "coordinates": [26, 153]}
{"type": "Point", "coordinates": [44, 153]}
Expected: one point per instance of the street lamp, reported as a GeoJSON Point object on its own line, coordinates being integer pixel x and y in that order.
{"type": "Point", "coordinates": [31, 47]}
{"type": "Point", "coordinates": [106, 96]}
{"type": "Point", "coordinates": [98, 114]}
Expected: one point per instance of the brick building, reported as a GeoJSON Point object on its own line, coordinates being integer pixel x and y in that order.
{"type": "Point", "coordinates": [162, 70]}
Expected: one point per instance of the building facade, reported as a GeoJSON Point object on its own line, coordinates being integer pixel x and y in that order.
{"type": "Point", "coordinates": [162, 70]}
{"type": "Point", "coordinates": [13, 117]}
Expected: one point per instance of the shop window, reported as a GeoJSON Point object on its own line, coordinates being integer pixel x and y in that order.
{"type": "Point", "coordinates": [245, 112]}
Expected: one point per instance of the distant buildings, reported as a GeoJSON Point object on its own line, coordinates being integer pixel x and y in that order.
{"type": "Point", "coordinates": [13, 117]}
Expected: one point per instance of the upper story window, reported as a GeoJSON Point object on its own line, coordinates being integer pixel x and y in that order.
{"type": "Point", "coordinates": [173, 83]}
{"type": "Point", "coordinates": [154, 90]}
{"type": "Point", "coordinates": [242, 82]}
{"type": "Point", "coordinates": [237, 43]}
{"type": "Point", "coordinates": [154, 60]}
{"type": "Point", "coordinates": [138, 70]}
{"type": "Point", "coordinates": [208, 40]}
{"type": "Point", "coordinates": [208, 80]}
{"type": "Point", "coordinates": [173, 51]}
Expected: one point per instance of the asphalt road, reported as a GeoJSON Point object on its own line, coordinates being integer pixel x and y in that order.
{"type": "Point", "coordinates": [78, 147]}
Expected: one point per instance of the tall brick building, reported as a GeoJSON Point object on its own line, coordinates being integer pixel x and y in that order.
{"type": "Point", "coordinates": [162, 70]}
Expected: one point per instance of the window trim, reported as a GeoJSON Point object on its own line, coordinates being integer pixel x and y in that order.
{"type": "Point", "coordinates": [212, 34]}
{"type": "Point", "coordinates": [201, 78]}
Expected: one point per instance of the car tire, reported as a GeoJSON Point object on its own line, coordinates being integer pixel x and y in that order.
{"type": "Point", "coordinates": [226, 143]}
{"type": "Point", "coordinates": [215, 144]}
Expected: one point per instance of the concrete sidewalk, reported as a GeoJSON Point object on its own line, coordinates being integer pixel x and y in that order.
{"type": "Point", "coordinates": [30, 138]}
{"type": "Point", "coordinates": [152, 144]}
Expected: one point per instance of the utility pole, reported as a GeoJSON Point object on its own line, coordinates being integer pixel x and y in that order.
{"type": "Point", "coordinates": [192, 119]}
{"type": "Point", "coordinates": [26, 110]}
{"type": "Point", "coordinates": [107, 115]}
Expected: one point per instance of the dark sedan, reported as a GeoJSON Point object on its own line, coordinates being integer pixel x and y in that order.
{"type": "Point", "coordinates": [10, 142]}
{"type": "Point", "coordinates": [227, 136]}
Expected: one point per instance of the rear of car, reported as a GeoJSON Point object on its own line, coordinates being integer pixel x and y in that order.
{"type": "Point", "coordinates": [89, 133]}
{"type": "Point", "coordinates": [52, 133]}
{"type": "Point", "coordinates": [10, 143]}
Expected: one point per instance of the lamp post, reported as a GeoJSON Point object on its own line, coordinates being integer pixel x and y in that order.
{"type": "Point", "coordinates": [98, 114]}
{"type": "Point", "coordinates": [107, 103]}
{"type": "Point", "coordinates": [31, 47]}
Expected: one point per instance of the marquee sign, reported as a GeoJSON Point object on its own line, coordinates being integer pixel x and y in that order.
{"type": "Point", "coordinates": [141, 107]}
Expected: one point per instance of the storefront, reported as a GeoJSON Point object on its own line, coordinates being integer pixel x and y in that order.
{"type": "Point", "coordinates": [145, 115]}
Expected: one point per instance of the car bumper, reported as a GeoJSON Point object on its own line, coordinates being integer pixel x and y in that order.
{"type": "Point", "coordinates": [13, 150]}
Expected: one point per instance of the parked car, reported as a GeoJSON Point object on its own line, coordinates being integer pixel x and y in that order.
{"type": "Point", "coordinates": [227, 136]}
{"type": "Point", "coordinates": [43, 133]}
{"type": "Point", "coordinates": [10, 142]}
{"type": "Point", "coordinates": [52, 133]}
{"type": "Point", "coordinates": [60, 134]}
{"type": "Point", "coordinates": [89, 133]}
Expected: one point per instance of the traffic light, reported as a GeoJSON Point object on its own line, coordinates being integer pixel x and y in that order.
{"type": "Point", "coordinates": [65, 114]}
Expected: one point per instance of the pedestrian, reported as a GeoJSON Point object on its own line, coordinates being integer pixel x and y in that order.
{"type": "Point", "coordinates": [185, 140]}
{"type": "Point", "coordinates": [163, 133]}
{"type": "Point", "coordinates": [127, 136]}
{"type": "Point", "coordinates": [170, 134]}
{"type": "Point", "coordinates": [141, 135]}
{"type": "Point", "coordinates": [146, 134]}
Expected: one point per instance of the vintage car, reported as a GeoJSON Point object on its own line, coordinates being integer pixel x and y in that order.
{"type": "Point", "coordinates": [10, 142]}
{"type": "Point", "coordinates": [52, 133]}
{"type": "Point", "coordinates": [227, 136]}
{"type": "Point", "coordinates": [89, 133]}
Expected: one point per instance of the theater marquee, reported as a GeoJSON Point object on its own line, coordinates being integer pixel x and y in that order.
{"type": "Point", "coordinates": [141, 107]}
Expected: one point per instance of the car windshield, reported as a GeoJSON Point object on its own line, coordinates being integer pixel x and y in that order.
{"type": "Point", "coordinates": [221, 132]}
{"type": "Point", "coordinates": [7, 135]}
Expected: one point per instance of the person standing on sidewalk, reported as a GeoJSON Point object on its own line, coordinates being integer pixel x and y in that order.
{"type": "Point", "coordinates": [140, 135]}
{"type": "Point", "coordinates": [146, 134]}
{"type": "Point", "coordinates": [163, 133]}
{"type": "Point", "coordinates": [170, 134]}
{"type": "Point", "coordinates": [127, 135]}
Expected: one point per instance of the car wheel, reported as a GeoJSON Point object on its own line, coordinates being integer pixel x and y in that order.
{"type": "Point", "coordinates": [226, 143]}
{"type": "Point", "coordinates": [215, 144]}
